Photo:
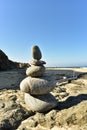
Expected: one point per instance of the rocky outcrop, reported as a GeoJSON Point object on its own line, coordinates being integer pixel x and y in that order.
{"type": "Point", "coordinates": [6, 64]}
{"type": "Point", "coordinates": [11, 111]}
{"type": "Point", "coordinates": [3, 61]}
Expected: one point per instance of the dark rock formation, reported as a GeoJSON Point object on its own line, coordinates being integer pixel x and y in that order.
{"type": "Point", "coordinates": [6, 64]}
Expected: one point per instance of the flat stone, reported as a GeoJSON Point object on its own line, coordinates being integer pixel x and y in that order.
{"type": "Point", "coordinates": [40, 103]}
{"type": "Point", "coordinates": [37, 62]}
{"type": "Point", "coordinates": [35, 71]}
{"type": "Point", "coordinates": [37, 86]}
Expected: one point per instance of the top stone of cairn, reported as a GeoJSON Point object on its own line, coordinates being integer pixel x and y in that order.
{"type": "Point", "coordinates": [36, 53]}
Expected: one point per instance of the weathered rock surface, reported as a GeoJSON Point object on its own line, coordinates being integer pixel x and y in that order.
{"type": "Point", "coordinates": [74, 116]}
{"type": "Point", "coordinates": [35, 71]}
{"type": "Point", "coordinates": [70, 114]}
{"type": "Point", "coordinates": [12, 112]}
{"type": "Point", "coordinates": [37, 86]}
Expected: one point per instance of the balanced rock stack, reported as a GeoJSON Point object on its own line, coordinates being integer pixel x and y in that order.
{"type": "Point", "coordinates": [37, 86]}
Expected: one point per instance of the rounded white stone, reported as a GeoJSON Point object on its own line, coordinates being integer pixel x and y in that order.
{"type": "Point", "coordinates": [37, 86]}
{"type": "Point", "coordinates": [35, 71]}
{"type": "Point", "coordinates": [41, 103]}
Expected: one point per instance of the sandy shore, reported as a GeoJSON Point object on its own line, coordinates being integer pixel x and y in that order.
{"type": "Point", "coordinates": [11, 79]}
{"type": "Point", "coordinates": [70, 114]}
{"type": "Point", "coordinates": [83, 70]}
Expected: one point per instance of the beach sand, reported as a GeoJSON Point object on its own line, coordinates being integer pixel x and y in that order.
{"type": "Point", "coordinates": [70, 114]}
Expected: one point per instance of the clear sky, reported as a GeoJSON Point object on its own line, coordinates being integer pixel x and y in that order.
{"type": "Point", "coordinates": [58, 27]}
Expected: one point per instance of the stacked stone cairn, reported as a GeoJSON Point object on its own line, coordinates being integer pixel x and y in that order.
{"type": "Point", "coordinates": [37, 86]}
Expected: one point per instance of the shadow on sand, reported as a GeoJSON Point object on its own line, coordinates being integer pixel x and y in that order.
{"type": "Point", "coordinates": [71, 101]}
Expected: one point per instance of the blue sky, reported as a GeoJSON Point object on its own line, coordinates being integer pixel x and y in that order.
{"type": "Point", "coordinates": [58, 27]}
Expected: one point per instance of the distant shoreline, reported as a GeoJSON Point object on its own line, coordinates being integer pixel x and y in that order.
{"type": "Point", "coordinates": [79, 69]}
{"type": "Point", "coordinates": [69, 67]}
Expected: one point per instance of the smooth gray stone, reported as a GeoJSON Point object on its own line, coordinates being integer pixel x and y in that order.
{"type": "Point", "coordinates": [37, 86]}
{"type": "Point", "coordinates": [37, 62]}
{"type": "Point", "coordinates": [36, 53]}
{"type": "Point", "coordinates": [35, 71]}
{"type": "Point", "coordinates": [41, 103]}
